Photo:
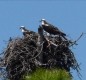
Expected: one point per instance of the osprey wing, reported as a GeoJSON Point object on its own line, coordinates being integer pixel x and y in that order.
{"type": "Point", "coordinates": [54, 27]}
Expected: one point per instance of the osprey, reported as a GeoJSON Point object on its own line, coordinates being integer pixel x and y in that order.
{"type": "Point", "coordinates": [28, 33]}
{"type": "Point", "coordinates": [25, 31]}
{"type": "Point", "coordinates": [50, 28]}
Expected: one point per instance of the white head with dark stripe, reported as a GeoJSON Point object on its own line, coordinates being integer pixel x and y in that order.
{"type": "Point", "coordinates": [43, 21]}
{"type": "Point", "coordinates": [22, 28]}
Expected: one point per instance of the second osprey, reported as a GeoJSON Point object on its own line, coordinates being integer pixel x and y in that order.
{"type": "Point", "coordinates": [51, 29]}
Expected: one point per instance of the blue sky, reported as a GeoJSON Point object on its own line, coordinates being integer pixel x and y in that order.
{"type": "Point", "coordinates": [69, 16]}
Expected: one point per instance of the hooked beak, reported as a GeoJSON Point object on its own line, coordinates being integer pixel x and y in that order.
{"type": "Point", "coordinates": [21, 27]}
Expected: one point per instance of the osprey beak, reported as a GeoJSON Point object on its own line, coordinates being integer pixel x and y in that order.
{"type": "Point", "coordinates": [20, 27]}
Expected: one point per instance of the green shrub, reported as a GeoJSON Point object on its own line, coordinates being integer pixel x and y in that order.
{"type": "Point", "coordinates": [47, 74]}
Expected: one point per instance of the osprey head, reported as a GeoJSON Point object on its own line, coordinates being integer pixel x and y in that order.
{"type": "Point", "coordinates": [43, 21]}
{"type": "Point", "coordinates": [22, 27]}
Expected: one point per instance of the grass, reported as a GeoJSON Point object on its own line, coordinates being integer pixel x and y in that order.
{"type": "Point", "coordinates": [45, 74]}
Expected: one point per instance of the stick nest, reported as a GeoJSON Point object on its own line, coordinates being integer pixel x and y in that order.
{"type": "Point", "coordinates": [24, 55]}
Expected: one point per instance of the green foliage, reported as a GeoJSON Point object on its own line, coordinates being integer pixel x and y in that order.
{"type": "Point", "coordinates": [46, 74]}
